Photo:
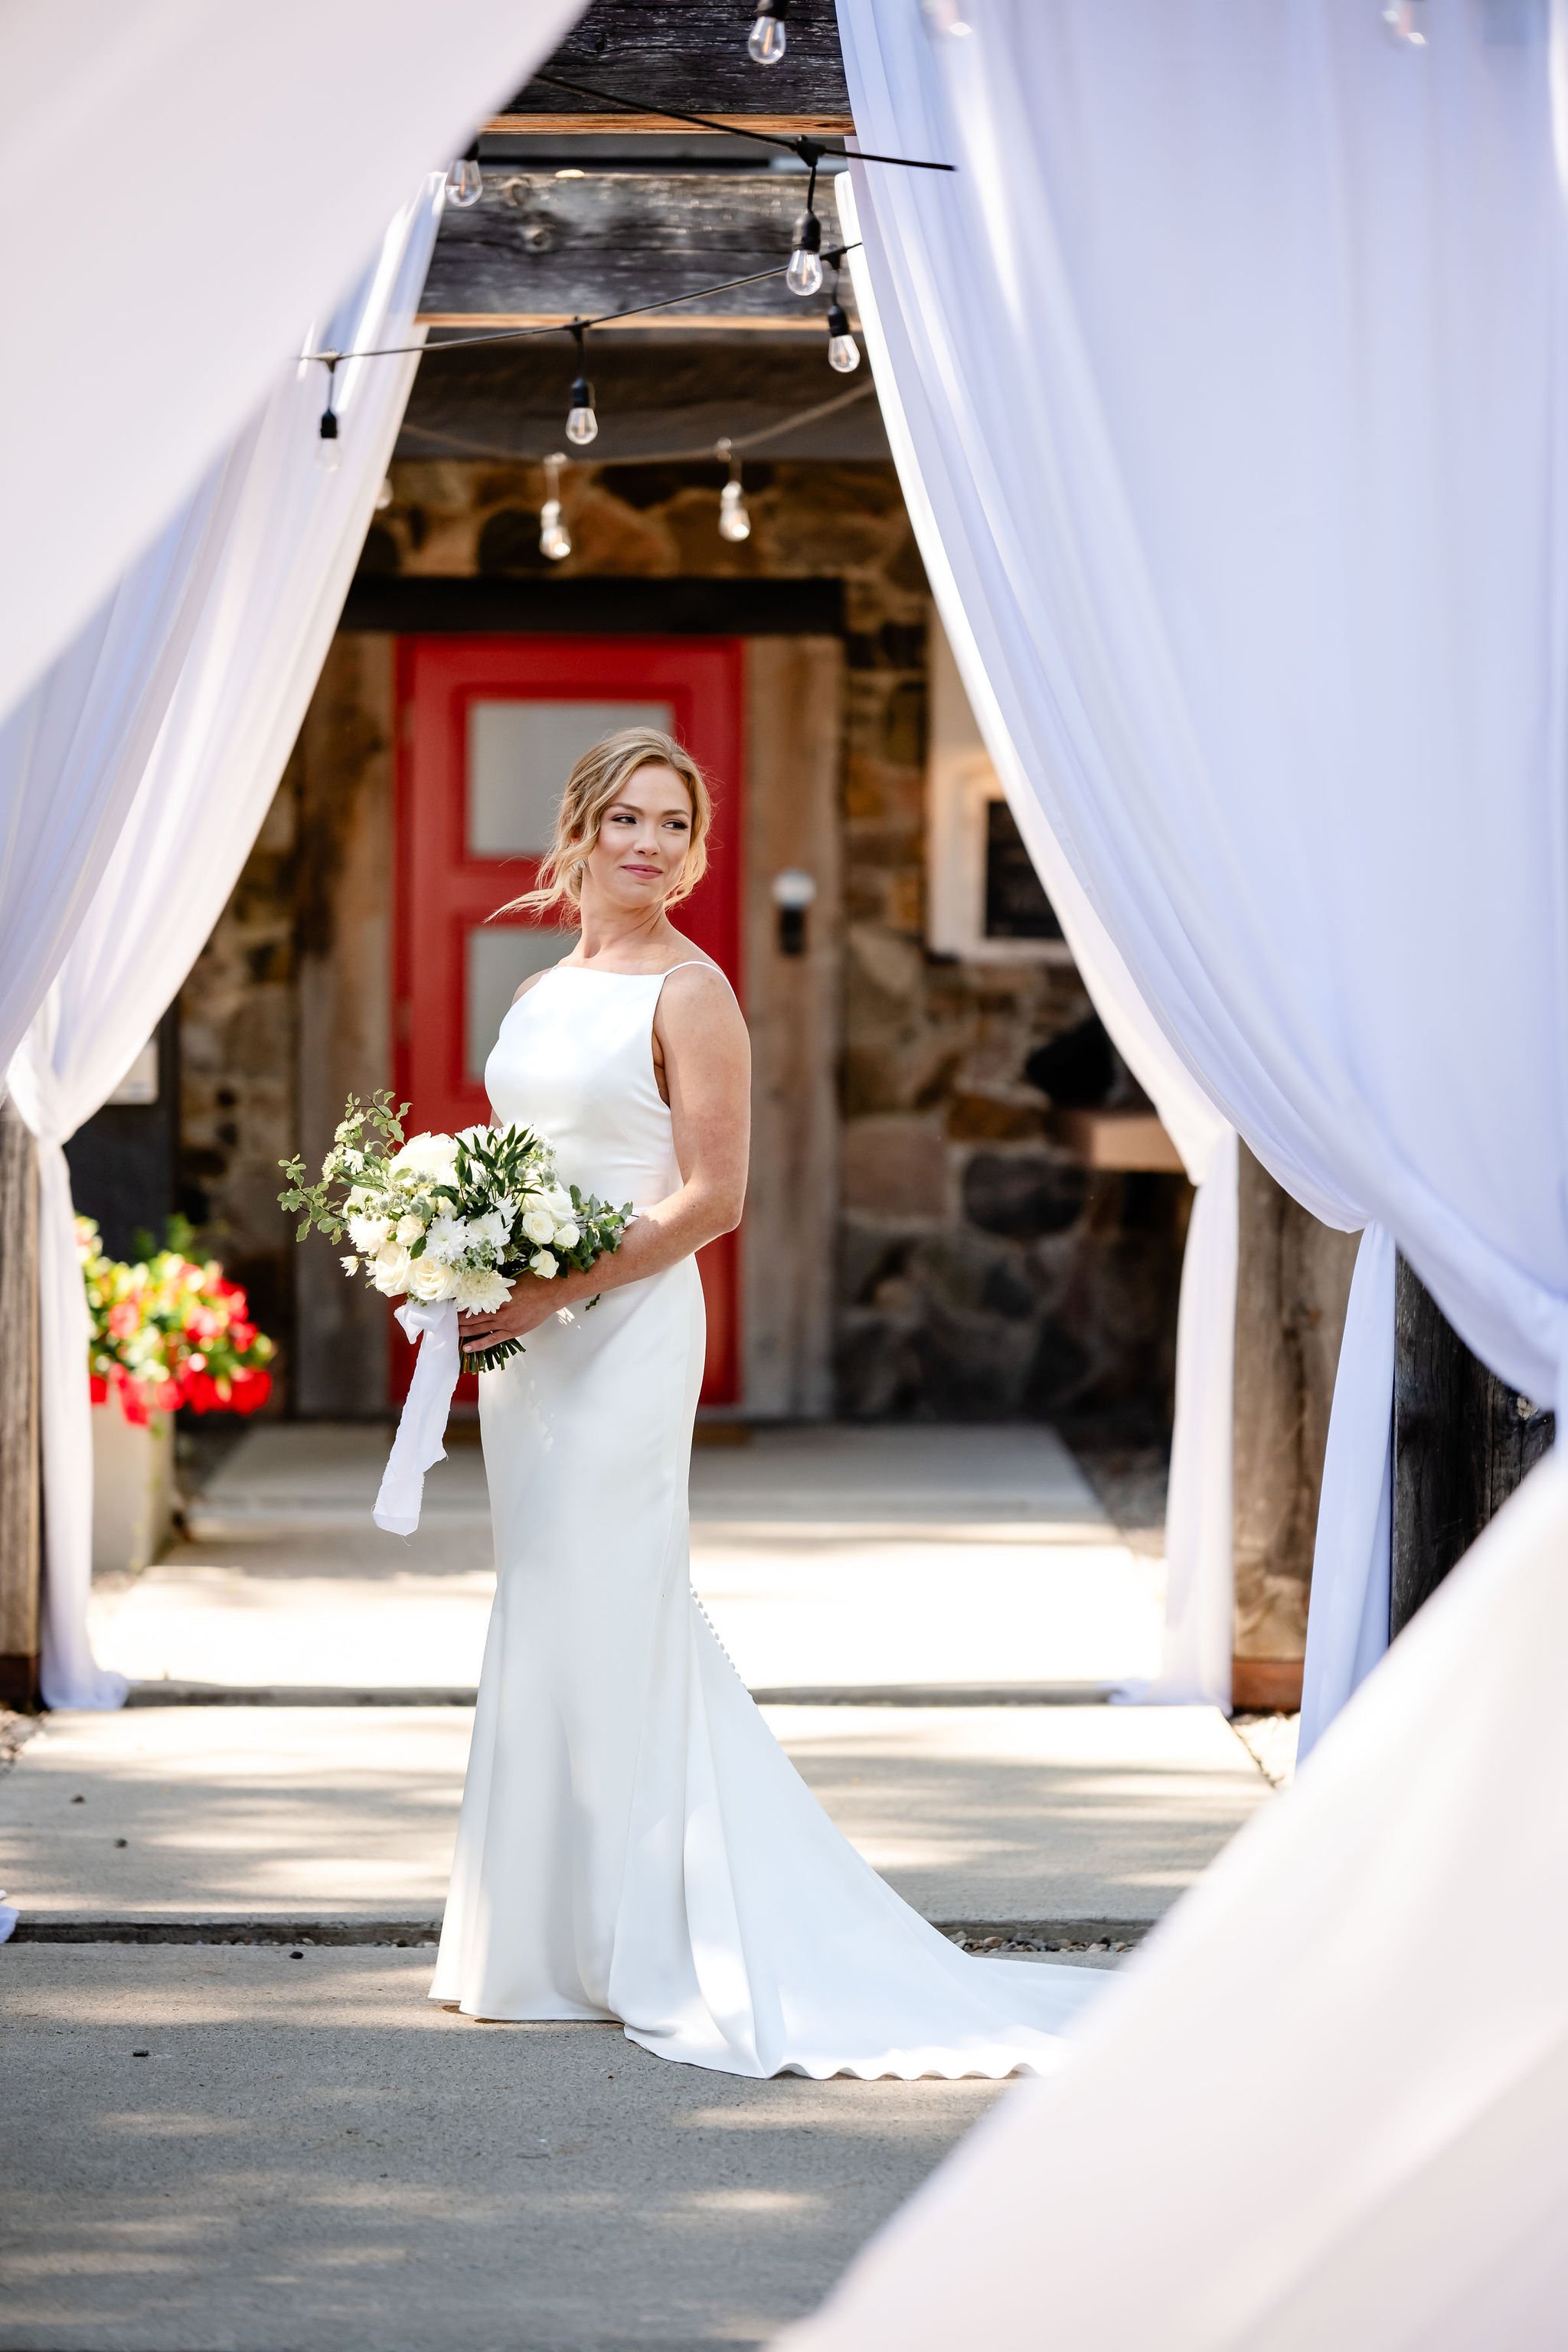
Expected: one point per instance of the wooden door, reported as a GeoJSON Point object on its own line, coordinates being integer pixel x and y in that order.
{"type": "Point", "coordinates": [489, 727]}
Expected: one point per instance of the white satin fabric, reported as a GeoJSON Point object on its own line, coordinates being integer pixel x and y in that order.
{"type": "Point", "coordinates": [1230, 365]}
{"type": "Point", "coordinates": [266, 598]}
{"type": "Point", "coordinates": [633, 1844]}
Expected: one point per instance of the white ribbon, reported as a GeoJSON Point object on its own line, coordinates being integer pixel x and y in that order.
{"type": "Point", "coordinates": [417, 1444]}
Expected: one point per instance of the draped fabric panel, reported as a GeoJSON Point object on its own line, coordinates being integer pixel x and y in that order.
{"type": "Point", "coordinates": [1230, 366]}
{"type": "Point", "coordinates": [270, 605]}
{"type": "Point", "coordinates": [73, 752]}
{"type": "Point", "coordinates": [1308, 2115]}
{"type": "Point", "coordinates": [1195, 1661]}
{"type": "Point", "coordinates": [180, 185]}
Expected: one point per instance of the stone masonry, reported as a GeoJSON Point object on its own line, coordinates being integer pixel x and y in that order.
{"type": "Point", "coordinates": [984, 1273]}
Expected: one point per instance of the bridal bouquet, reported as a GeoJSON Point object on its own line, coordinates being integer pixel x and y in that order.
{"type": "Point", "coordinates": [452, 1218]}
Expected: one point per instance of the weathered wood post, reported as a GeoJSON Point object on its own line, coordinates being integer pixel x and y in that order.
{"type": "Point", "coordinates": [1293, 1277]}
{"type": "Point", "coordinates": [20, 1505]}
{"type": "Point", "coordinates": [1463, 1440]}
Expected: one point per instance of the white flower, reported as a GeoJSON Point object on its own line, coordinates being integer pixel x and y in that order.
{"type": "Point", "coordinates": [354, 1160]}
{"type": "Point", "coordinates": [427, 1155]}
{"type": "Point", "coordinates": [542, 1265]}
{"type": "Point", "coordinates": [558, 1200]}
{"type": "Point", "coordinates": [349, 1264]}
{"type": "Point", "coordinates": [539, 1225]}
{"type": "Point", "coordinates": [391, 1275]}
{"type": "Point", "coordinates": [368, 1233]}
{"type": "Point", "coordinates": [480, 1291]}
{"type": "Point", "coordinates": [446, 1240]}
{"type": "Point", "coordinates": [428, 1278]}
{"type": "Point", "coordinates": [409, 1229]}
{"type": "Point", "coordinates": [487, 1232]}
{"type": "Point", "coordinates": [566, 1236]}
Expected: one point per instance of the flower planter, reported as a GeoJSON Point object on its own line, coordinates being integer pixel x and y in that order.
{"type": "Point", "coordinates": [132, 1488]}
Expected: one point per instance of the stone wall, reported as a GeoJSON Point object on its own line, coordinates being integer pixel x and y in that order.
{"type": "Point", "coordinates": [982, 1273]}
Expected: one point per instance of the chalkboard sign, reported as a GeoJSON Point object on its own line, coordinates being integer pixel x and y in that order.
{"type": "Point", "coordinates": [1016, 907]}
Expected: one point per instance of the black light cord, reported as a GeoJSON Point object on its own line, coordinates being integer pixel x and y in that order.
{"type": "Point", "coordinates": [462, 446]}
{"type": "Point", "coordinates": [810, 150]}
{"type": "Point", "coordinates": [331, 360]}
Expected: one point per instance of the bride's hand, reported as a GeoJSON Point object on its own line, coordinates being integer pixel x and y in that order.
{"type": "Point", "coordinates": [531, 1301]}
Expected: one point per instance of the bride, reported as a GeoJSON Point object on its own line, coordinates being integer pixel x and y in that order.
{"type": "Point", "coordinates": [633, 1845]}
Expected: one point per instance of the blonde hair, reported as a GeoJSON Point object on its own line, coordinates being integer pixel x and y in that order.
{"type": "Point", "coordinates": [595, 784]}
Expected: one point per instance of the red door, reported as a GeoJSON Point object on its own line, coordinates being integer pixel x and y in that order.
{"type": "Point", "coordinates": [489, 727]}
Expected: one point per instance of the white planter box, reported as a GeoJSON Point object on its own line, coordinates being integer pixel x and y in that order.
{"type": "Point", "coordinates": [132, 1489]}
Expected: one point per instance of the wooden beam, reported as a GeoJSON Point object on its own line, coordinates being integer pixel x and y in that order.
{"type": "Point", "coordinates": [688, 54]}
{"type": "Point", "coordinates": [571, 126]}
{"type": "Point", "coordinates": [20, 1511]}
{"type": "Point", "coordinates": [538, 250]}
{"type": "Point", "coordinates": [1463, 1440]}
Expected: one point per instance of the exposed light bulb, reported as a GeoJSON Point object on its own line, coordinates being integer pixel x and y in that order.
{"type": "Point", "coordinates": [384, 496]}
{"type": "Point", "coordinates": [327, 446]}
{"type": "Point", "coordinates": [804, 275]}
{"type": "Point", "coordinates": [465, 182]}
{"type": "Point", "coordinates": [582, 425]}
{"type": "Point", "coordinates": [554, 539]}
{"type": "Point", "coordinates": [767, 41]}
{"type": "Point", "coordinates": [843, 350]}
{"type": "Point", "coordinates": [734, 522]}
{"type": "Point", "coordinates": [1403, 19]}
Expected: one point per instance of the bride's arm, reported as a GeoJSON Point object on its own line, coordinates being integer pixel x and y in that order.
{"type": "Point", "coordinates": [707, 1075]}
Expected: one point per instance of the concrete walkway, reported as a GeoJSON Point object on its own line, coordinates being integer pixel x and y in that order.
{"type": "Point", "coordinates": [233, 2118]}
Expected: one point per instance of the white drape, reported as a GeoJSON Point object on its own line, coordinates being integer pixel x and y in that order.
{"type": "Point", "coordinates": [1317, 2111]}
{"type": "Point", "coordinates": [1195, 1660]}
{"type": "Point", "coordinates": [1230, 361]}
{"type": "Point", "coordinates": [268, 608]}
{"type": "Point", "coordinates": [180, 185]}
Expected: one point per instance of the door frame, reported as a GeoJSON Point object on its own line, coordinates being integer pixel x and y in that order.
{"type": "Point", "coordinates": [436, 677]}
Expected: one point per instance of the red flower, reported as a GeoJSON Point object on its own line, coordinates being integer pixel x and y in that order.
{"type": "Point", "coordinates": [125, 1319]}
{"type": "Point", "coordinates": [250, 1388]}
{"type": "Point", "coordinates": [99, 1388]}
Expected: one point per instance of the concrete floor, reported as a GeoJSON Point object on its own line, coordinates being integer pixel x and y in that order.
{"type": "Point", "coordinates": [308, 2154]}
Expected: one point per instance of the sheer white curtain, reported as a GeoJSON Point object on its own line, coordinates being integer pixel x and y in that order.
{"type": "Point", "coordinates": [1315, 2112]}
{"type": "Point", "coordinates": [1229, 364]}
{"type": "Point", "coordinates": [180, 186]}
{"type": "Point", "coordinates": [73, 752]}
{"type": "Point", "coordinates": [1200, 1579]}
{"type": "Point", "coordinates": [270, 605]}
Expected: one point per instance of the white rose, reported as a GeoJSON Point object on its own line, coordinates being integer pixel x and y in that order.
{"type": "Point", "coordinates": [367, 1233]}
{"type": "Point", "coordinates": [542, 1263]}
{"type": "Point", "coordinates": [558, 1200]}
{"type": "Point", "coordinates": [428, 1278]}
{"type": "Point", "coordinates": [391, 1275]}
{"type": "Point", "coordinates": [427, 1155]}
{"type": "Point", "coordinates": [567, 1237]}
{"type": "Point", "coordinates": [539, 1225]}
{"type": "Point", "coordinates": [480, 1291]}
{"type": "Point", "coordinates": [409, 1229]}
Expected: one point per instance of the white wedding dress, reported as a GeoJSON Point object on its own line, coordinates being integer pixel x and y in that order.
{"type": "Point", "coordinates": [633, 1843]}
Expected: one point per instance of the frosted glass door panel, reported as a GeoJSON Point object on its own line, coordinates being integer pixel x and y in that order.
{"type": "Point", "coordinates": [498, 959]}
{"type": "Point", "coordinates": [519, 756]}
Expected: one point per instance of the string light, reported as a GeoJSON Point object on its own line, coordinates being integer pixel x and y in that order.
{"type": "Point", "coordinates": [803, 274]}
{"type": "Point", "coordinates": [582, 425]}
{"type": "Point", "coordinates": [767, 41]}
{"type": "Point", "coordinates": [843, 350]}
{"type": "Point", "coordinates": [734, 522]}
{"type": "Point", "coordinates": [327, 451]}
{"type": "Point", "coordinates": [1403, 19]}
{"type": "Point", "coordinates": [464, 181]}
{"type": "Point", "coordinates": [554, 539]}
